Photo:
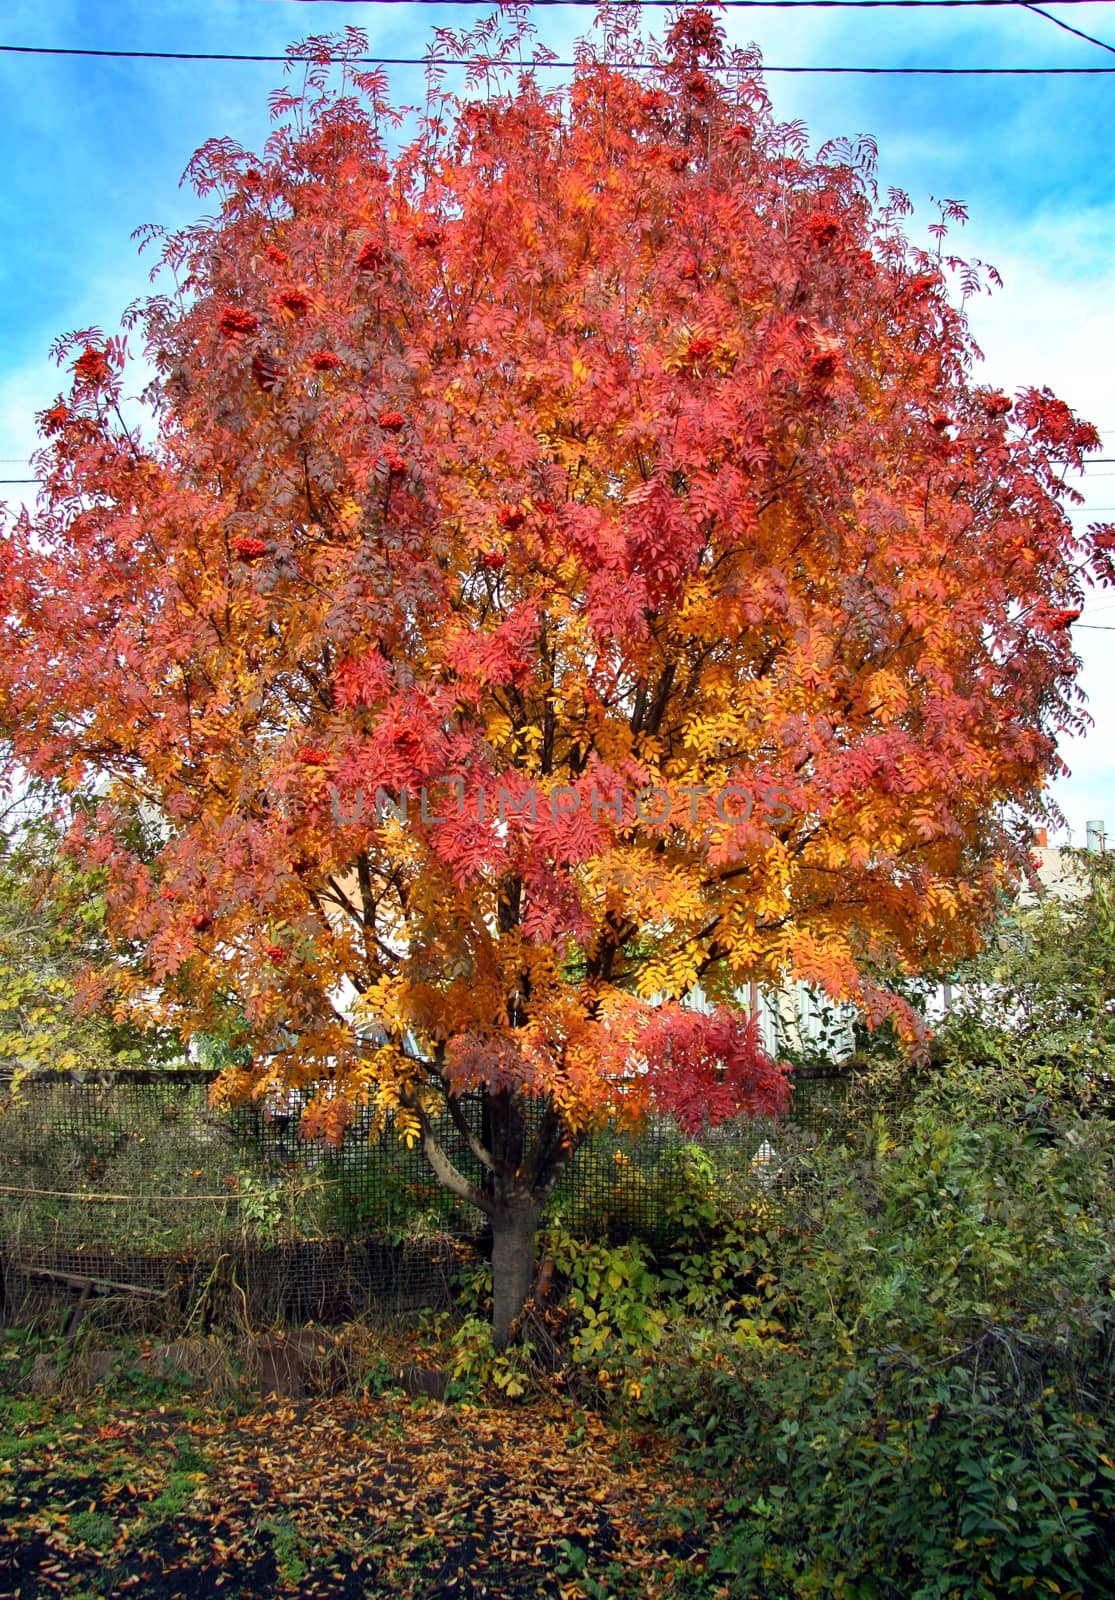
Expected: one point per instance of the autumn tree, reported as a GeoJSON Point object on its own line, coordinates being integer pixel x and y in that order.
{"type": "Point", "coordinates": [566, 558]}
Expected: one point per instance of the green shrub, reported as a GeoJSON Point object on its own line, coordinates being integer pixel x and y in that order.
{"type": "Point", "coordinates": [628, 1306]}
{"type": "Point", "coordinates": [930, 1411]}
{"type": "Point", "coordinates": [1034, 1020]}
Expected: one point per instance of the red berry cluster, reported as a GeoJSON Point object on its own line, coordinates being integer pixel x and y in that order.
{"type": "Point", "coordinates": [249, 548]}
{"type": "Point", "coordinates": [235, 322]}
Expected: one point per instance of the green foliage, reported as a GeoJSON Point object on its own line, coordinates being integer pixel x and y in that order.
{"type": "Point", "coordinates": [611, 1580]}
{"type": "Point", "coordinates": [1035, 1014]}
{"type": "Point", "coordinates": [628, 1308]}
{"type": "Point", "coordinates": [719, 1239]}
{"type": "Point", "coordinates": [826, 1039]}
{"type": "Point", "coordinates": [72, 1153]}
{"type": "Point", "coordinates": [927, 1409]}
{"type": "Point", "coordinates": [125, 1166]}
{"type": "Point", "coordinates": [93, 1528]}
{"type": "Point", "coordinates": [615, 1301]}
{"type": "Point", "coordinates": [278, 1206]}
{"type": "Point", "coordinates": [172, 1500]}
{"type": "Point", "coordinates": [391, 1200]}
{"type": "Point", "coordinates": [54, 946]}
{"type": "Point", "coordinates": [226, 1045]}
{"type": "Point", "coordinates": [379, 1379]}
{"type": "Point", "coordinates": [476, 1366]}
{"type": "Point", "coordinates": [290, 1556]}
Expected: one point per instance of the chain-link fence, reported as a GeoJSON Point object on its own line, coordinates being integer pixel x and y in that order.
{"type": "Point", "coordinates": [128, 1195]}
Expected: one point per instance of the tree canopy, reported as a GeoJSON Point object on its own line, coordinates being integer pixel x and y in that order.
{"type": "Point", "coordinates": [566, 558]}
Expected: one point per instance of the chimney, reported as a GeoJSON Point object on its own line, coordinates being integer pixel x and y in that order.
{"type": "Point", "coordinates": [1041, 839]}
{"type": "Point", "coordinates": [1095, 836]}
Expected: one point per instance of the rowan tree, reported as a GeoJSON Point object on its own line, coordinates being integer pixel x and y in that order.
{"type": "Point", "coordinates": [554, 445]}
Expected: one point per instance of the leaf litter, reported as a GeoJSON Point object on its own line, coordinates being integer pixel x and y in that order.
{"type": "Point", "coordinates": [338, 1499]}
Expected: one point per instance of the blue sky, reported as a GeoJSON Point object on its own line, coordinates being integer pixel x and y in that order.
{"type": "Point", "coordinates": [91, 149]}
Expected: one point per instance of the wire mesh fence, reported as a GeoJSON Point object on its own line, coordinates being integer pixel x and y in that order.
{"type": "Point", "coordinates": [128, 1197]}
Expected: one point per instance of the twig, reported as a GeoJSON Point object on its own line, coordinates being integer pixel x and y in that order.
{"type": "Point", "coordinates": [244, 1304]}
{"type": "Point", "coordinates": [200, 1301]}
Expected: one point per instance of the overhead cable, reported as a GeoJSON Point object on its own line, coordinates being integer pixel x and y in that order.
{"type": "Point", "coordinates": [325, 59]}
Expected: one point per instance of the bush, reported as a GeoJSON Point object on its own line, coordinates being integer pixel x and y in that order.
{"type": "Point", "coordinates": [1035, 1015]}
{"type": "Point", "coordinates": [933, 1418]}
{"type": "Point", "coordinates": [895, 1376]}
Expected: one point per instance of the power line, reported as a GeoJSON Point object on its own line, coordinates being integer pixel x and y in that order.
{"type": "Point", "coordinates": [525, 66]}
{"type": "Point", "coordinates": [1057, 23]}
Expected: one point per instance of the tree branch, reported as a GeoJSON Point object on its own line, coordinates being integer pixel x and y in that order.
{"type": "Point", "coordinates": [460, 1122]}
{"type": "Point", "coordinates": [443, 1169]}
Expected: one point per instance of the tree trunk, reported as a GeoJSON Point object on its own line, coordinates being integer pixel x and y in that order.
{"type": "Point", "coordinates": [513, 1232]}
{"type": "Point", "coordinates": [518, 1169]}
